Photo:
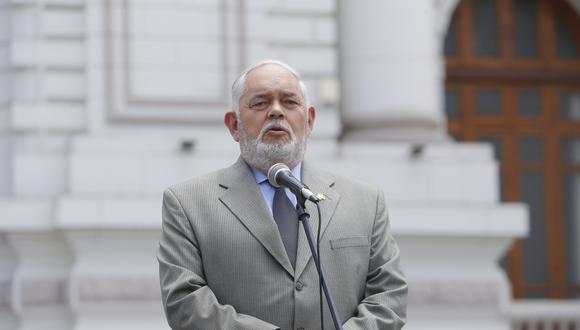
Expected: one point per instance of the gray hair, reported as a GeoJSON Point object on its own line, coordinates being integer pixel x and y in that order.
{"type": "Point", "coordinates": [239, 85]}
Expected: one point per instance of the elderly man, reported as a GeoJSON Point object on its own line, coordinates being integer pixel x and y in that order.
{"type": "Point", "coordinates": [232, 255]}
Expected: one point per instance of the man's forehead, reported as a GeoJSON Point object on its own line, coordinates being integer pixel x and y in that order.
{"type": "Point", "coordinates": [266, 93]}
{"type": "Point", "coordinates": [270, 78]}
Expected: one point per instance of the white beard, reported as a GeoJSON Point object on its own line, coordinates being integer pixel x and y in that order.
{"type": "Point", "coordinates": [263, 155]}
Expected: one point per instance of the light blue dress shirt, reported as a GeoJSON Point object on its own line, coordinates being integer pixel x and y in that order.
{"type": "Point", "coordinates": [268, 190]}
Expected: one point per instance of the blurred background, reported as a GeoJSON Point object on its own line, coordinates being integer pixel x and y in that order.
{"type": "Point", "coordinates": [465, 112]}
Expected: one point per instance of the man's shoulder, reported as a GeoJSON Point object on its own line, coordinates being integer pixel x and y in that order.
{"type": "Point", "coordinates": [199, 183]}
{"type": "Point", "coordinates": [202, 180]}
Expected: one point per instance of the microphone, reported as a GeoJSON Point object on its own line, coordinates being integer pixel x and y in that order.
{"type": "Point", "coordinates": [280, 175]}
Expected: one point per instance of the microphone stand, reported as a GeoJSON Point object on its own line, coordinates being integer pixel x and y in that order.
{"type": "Point", "coordinates": [303, 217]}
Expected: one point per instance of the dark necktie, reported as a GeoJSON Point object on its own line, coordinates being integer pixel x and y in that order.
{"type": "Point", "coordinates": [286, 218]}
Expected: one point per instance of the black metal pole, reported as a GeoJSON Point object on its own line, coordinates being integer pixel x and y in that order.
{"type": "Point", "coordinates": [303, 216]}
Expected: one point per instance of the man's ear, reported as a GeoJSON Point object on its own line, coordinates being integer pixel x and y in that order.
{"type": "Point", "coordinates": [231, 121]}
{"type": "Point", "coordinates": [311, 116]}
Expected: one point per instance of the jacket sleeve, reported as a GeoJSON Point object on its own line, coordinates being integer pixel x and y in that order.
{"type": "Point", "coordinates": [385, 302]}
{"type": "Point", "coordinates": [188, 301]}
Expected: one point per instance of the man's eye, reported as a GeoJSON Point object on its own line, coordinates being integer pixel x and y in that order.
{"type": "Point", "coordinates": [258, 104]}
{"type": "Point", "coordinates": [291, 102]}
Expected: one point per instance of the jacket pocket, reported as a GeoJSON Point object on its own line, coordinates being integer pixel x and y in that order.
{"type": "Point", "coordinates": [351, 241]}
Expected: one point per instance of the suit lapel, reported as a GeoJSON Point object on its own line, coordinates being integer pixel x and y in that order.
{"type": "Point", "coordinates": [244, 199]}
{"type": "Point", "coordinates": [318, 183]}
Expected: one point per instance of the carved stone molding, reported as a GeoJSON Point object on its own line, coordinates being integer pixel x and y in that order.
{"type": "Point", "coordinates": [97, 289]}
{"type": "Point", "coordinates": [190, 90]}
{"type": "Point", "coordinates": [449, 292]}
{"type": "Point", "coordinates": [43, 291]}
{"type": "Point", "coordinates": [5, 293]}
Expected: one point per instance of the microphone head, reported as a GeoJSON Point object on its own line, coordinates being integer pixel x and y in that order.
{"type": "Point", "coordinates": [273, 173]}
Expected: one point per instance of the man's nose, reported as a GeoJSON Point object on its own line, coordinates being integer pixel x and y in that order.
{"type": "Point", "coordinates": [276, 111]}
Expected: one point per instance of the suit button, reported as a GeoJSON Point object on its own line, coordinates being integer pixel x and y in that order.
{"type": "Point", "coordinates": [299, 287]}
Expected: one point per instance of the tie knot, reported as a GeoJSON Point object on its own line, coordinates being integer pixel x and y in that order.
{"type": "Point", "coordinates": [280, 194]}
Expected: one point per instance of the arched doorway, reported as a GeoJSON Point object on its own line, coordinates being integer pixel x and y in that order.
{"type": "Point", "coordinates": [513, 80]}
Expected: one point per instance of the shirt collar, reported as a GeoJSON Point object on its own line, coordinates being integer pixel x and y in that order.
{"type": "Point", "coordinates": [261, 177]}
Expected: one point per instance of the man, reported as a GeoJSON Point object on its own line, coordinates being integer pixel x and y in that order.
{"type": "Point", "coordinates": [230, 258]}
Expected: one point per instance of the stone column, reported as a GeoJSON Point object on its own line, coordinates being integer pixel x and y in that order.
{"type": "Point", "coordinates": [34, 269]}
{"type": "Point", "coordinates": [390, 71]}
{"type": "Point", "coordinates": [5, 84]}
{"type": "Point", "coordinates": [113, 282]}
{"type": "Point", "coordinates": [8, 319]}
{"type": "Point", "coordinates": [39, 294]}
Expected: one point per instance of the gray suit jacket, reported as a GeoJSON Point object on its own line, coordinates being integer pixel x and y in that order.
{"type": "Point", "coordinates": [223, 265]}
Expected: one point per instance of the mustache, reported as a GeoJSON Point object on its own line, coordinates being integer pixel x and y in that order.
{"type": "Point", "coordinates": [276, 123]}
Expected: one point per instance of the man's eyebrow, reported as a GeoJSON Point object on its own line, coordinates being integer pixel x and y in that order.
{"type": "Point", "coordinates": [259, 95]}
{"type": "Point", "coordinates": [289, 94]}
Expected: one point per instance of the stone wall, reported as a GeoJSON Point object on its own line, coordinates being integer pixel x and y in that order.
{"type": "Point", "coordinates": [104, 103]}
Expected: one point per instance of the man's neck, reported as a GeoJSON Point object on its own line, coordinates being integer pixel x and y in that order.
{"type": "Point", "coordinates": [261, 175]}
{"type": "Point", "coordinates": [264, 171]}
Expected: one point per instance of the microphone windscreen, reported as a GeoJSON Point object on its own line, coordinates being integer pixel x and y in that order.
{"type": "Point", "coordinates": [273, 173]}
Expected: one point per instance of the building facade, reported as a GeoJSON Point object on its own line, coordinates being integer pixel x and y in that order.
{"type": "Point", "coordinates": [105, 103]}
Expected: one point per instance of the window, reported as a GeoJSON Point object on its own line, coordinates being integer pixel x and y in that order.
{"type": "Point", "coordinates": [513, 80]}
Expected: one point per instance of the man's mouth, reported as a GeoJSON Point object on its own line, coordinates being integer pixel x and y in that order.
{"type": "Point", "coordinates": [277, 130]}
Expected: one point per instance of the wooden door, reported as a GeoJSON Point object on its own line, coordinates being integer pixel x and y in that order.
{"type": "Point", "coordinates": [513, 80]}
